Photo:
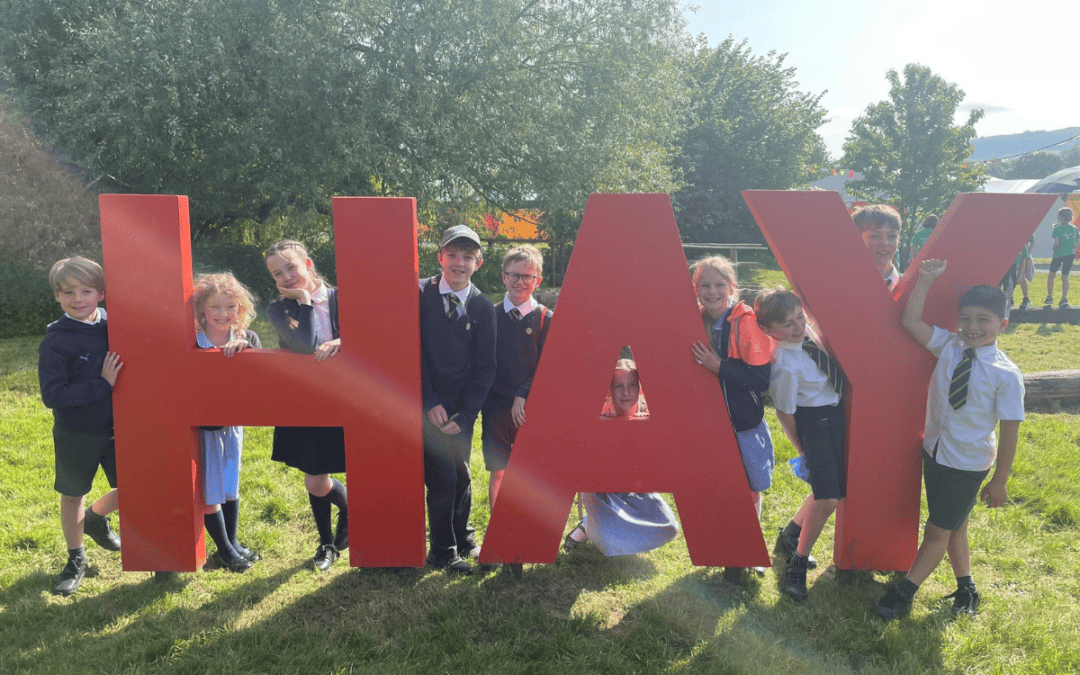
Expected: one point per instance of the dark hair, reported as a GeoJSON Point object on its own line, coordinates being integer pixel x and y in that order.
{"type": "Point", "coordinates": [930, 222]}
{"type": "Point", "coordinates": [987, 297]}
{"type": "Point", "coordinates": [876, 216]}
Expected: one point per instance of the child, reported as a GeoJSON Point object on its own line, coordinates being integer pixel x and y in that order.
{"type": "Point", "coordinates": [224, 308]}
{"type": "Point", "coordinates": [974, 386]}
{"type": "Point", "coordinates": [521, 328]}
{"type": "Point", "coordinates": [1066, 237]}
{"type": "Point", "coordinates": [624, 523]}
{"type": "Point", "coordinates": [919, 238]}
{"type": "Point", "coordinates": [457, 366]}
{"type": "Point", "coordinates": [305, 319]}
{"type": "Point", "coordinates": [879, 225]}
{"type": "Point", "coordinates": [1025, 272]}
{"type": "Point", "coordinates": [806, 388]}
{"type": "Point", "coordinates": [77, 373]}
{"type": "Point", "coordinates": [739, 354]}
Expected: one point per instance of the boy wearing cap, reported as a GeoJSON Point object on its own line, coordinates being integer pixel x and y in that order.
{"type": "Point", "coordinates": [457, 366]}
{"type": "Point", "coordinates": [974, 387]}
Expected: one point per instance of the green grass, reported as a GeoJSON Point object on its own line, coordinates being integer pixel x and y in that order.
{"type": "Point", "coordinates": [653, 613]}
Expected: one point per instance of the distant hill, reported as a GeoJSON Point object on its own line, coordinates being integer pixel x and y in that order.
{"type": "Point", "coordinates": [993, 147]}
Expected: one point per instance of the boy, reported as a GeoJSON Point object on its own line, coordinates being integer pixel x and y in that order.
{"type": "Point", "coordinates": [521, 328]}
{"type": "Point", "coordinates": [879, 225]}
{"type": "Point", "coordinates": [1066, 237]}
{"type": "Point", "coordinates": [973, 387]}
{"type": "Point", "coordinates": [806, 386]}
{"type": "Point", "coordinates": [77, 373]}
{"type": "Point", "coordinates": [457, 367]}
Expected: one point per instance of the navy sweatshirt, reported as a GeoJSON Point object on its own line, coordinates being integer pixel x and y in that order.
{"type": "Point", "coordinates": [457, 358]}
{"type": "Point", "coordinates": [742, 383]}
{"type": "Point", "coordinates": [518, 345]}
{"type": "Point", "coordinates": [301, 338]}
{"type": "Point", "coordinates": [69, 372]}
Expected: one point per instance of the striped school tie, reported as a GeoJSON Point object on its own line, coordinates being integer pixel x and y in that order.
{"type": "Point", "coordinates": [455, 302]}
{"type": "Point", "coordinates": [515, 314]}
{"type": "Point", "coordinates": [826, 363]}
{"type": "Point", "coordinates": [958, 386]}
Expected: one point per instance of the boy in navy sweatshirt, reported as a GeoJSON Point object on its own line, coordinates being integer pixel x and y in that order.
{"type": "Point", "coordinates": [457, 368]}
{"type": "Point", "coordinates": [77, 372]}
{"type": "Point", "coordinates": [522, 325]}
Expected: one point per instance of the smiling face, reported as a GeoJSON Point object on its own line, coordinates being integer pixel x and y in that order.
{"type": "Point", "coordinates": [882, 243]}
{"type": "Point", "coordinates": [220, 314]}
{"type": "Point", "coordinates": [978, 326]}
{"type": "Point", "coordinates": [78, 301]}
{"type": "Point", "coordinates": [521, 279]}
{"type": "Point", "coordinates": [292, 269]}
{"type": "Point", "coordinates": [458, 265]}
{"type": "Point", "coordinates": [791, 329]}
{"type": "Point", "coordinates": [625, 391]}
{"type": "Point", "coordinates": [714, 292]}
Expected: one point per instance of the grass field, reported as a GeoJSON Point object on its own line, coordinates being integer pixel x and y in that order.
{"type": "Point", "coordinates": [653, 613]}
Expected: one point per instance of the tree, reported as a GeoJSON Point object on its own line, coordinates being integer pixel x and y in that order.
{"type": "Point", "coordinates": [749, 127]}
{"type": "Point", "coordinates": [251, 107]}
{"type": "Point", "coordinates": [1036, 165]}
{"type": "Point", "coordinates": [910, 149]}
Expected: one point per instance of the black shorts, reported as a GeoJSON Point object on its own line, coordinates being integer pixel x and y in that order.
{"type": "Point", "coordinates": [1064, 262]}
{"type": "Point", "coordinates": [950, 493]}
{"type": "Point", "coordinates": [78, 456]}
{"type": "Point", "coordinates": [821, 434]}
{"type": "Point", "coordinates": [498, 432]}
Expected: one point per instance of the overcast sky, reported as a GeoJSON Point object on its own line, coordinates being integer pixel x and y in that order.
{"type": "Point", "coordinates": [1019, 61]}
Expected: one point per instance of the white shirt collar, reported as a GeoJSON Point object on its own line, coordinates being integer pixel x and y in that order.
{"type": "Point", "coordinates": [462, 295]}
{"type": "Point", "coordinates": [100, 317]}
{"type": "Point", "coordinates": [525, 308]}
{"type": "Point", "coordinates": [321, 294]}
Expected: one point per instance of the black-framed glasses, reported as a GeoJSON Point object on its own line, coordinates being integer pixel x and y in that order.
{"type": "Point", "coordinates": [514, 278]}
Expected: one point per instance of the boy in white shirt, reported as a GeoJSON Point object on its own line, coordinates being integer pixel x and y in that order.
{"type": "Point", "coordinates": [974, 387]}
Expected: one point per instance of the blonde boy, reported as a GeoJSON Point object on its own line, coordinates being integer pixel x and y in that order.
{"type": "Point", "coordinates": [77, 373]}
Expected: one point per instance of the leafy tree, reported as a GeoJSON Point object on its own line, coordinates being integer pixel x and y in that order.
{"type": "Point", "coordinates": [1036, 165]}
{"type": "Point", "coordinates": [749, 127]}
{"type": "Point", "coordinates": [251, 106]}
{"type": "Point", "coordinates": [1071, 157]}
{"type": "Point", "coordinates": [910, 149]}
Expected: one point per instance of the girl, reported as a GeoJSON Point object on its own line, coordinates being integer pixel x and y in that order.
{"type": "Point", "coordinates": [305, 319]}
{"type": "Point", "coordinates": [224, 309]}
{"type": "Point", "coordinates": [621, 523]}
{"type": "Point", "coordinates": [739, 353]}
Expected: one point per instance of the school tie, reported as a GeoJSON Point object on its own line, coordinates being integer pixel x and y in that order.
{"type": "Point", "coordinates": [958, 387]}
{"type": "Point", "coordinates": [455, 302]}
{"type": "Point", "coordinates": [826, 364]}
{"type": "Point", "coordinates": [515, 314]}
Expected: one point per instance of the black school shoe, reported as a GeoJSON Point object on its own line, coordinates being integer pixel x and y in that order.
{"type": "Point", "coordinates": [241, 564]}
{"type": "Point", "coordinates": [892, 605]}
{"type": "Point", "coordinates": [325, 556]}
{"type": "Point", "coordinates": [98, 528]}
{"type": "Point", "coordinates": [788, 545]}
{"type": "Point", "coordinates": [794, 583]}
{"type": "Point", "coordinates": [70, 577]}
{"type": "Point", "coordinates": [965, 601]}
{"type": "Point", "coordinates": [452, 564]}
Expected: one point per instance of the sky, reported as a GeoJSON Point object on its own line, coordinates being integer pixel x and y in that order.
{"type": "Point", "coordinates": [1015, 60]}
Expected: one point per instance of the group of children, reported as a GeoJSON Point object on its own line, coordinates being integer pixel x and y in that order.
{"type": "Point", "coordinates": [479, 358]}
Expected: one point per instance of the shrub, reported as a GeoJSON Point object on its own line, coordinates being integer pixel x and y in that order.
{"type": "Point", "coordinates": [27, 304]}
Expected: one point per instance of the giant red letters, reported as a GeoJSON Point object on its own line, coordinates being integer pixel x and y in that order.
{"type": "Point", "coordinates": [820, 250]}
{"type": "Point", "coordinates": [626, 284]}
{"type": "Point", "coordinates": [371, 388]}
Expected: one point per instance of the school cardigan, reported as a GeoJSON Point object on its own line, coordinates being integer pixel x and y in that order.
{"type": "Point", "coordinates": [301, 338]}
{"type": "Point", "coordinates": [518, 345]}
{"type": "Point", "coordinates": [457, 357]}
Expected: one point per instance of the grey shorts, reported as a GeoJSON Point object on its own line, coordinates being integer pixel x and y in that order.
{"type": "Point", "coordinates": [950, 493]}
{"type": "Point", "coordinates": [78, 456]}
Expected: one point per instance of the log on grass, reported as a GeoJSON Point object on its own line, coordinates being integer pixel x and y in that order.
{"type": "Point", "coordinates": [1053, 391]}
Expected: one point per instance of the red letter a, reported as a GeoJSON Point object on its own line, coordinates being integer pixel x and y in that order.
{"type": "Point", "coordinates": [627, 285]}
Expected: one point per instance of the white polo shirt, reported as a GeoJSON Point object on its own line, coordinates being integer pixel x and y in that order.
{"type": "Point", "coordinates": [965, 438]}
{"type": "Point", "coordinates": [796, 379]}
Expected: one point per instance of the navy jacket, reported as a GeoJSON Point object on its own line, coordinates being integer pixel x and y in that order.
{"type": "Point", "coordinates": [300, 338]}
{"type": "Point", "coordinates": [742, 383]}
{"type": "Point", "coordinates": [69, 372]}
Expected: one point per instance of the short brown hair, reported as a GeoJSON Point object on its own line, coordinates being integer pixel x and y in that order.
{"type": "Point", "coordinates": [229, 286]}
{"type": "Point", "coordinates": [1065, 215]}
{"type": "Point", "coordinates": [76, 271]}
{"type": "Point", "coordinates": [465, 246]}
{"type": "Point", "coordinates": [773, 305]}
{"type": "Point", "coordinates": [875, 217]}
{"type": "Point", "coordinates": [528, 253]}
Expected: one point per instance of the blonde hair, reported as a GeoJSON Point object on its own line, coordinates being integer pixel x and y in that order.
{"type": "Point", "coordinates": [718, 263]}
{"type": "Point", "coordinates": [229, 286]}
{"type": "Point", "coordinates": [288, 244]}
{"type": "Point", "coordinates": [528, 253]}
{"type": "Point", "coordinates": [76, 271]}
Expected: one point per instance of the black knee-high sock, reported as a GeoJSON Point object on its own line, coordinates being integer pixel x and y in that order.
{"type": "Point", "coordinates": [215, 527]}
{"type": "Point", "coordinates": [338, 497]}
{"type": "Point", "coordinates": [230, 511]}
{"type": "Point", "coordinates": [320, 510]}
